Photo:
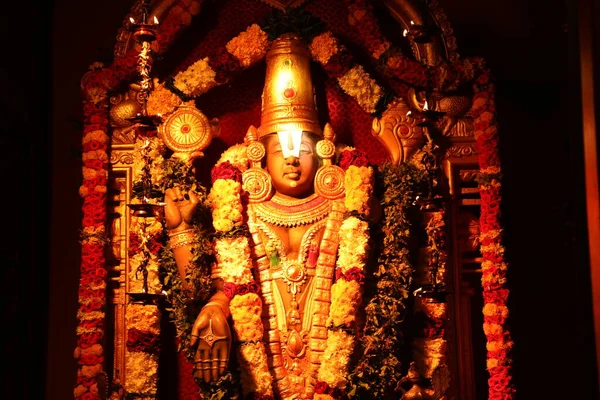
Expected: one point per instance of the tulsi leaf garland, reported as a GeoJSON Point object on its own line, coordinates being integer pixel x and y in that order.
{"type": "Point", "coordinates": [379, 369]}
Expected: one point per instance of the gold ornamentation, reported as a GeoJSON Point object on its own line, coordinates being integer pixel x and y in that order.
{"type": "Point", "coordinates": [187, 132]}
{"type": "Point", "coordinates": [288, 95]}
{"type": "Point", "coordinates": [329, 182]}
{"type": "Point", "coordinates": [257, 183]}
{"type": "Point", "coordinates": [304, 213]}
{"type": "Point", "coordinates": [182, 238]}
{"type": "Point", "coordinates": [325, 149]}
{"type": "Point", "coordinates": [398, 132]}
{"type": "Point", "coordinates": [256, 151]}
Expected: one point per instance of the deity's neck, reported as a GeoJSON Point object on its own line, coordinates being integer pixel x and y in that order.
{"type": "Point", "coordinates": [291, 212]}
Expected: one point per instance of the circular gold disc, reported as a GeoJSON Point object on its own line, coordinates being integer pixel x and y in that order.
{"type": "Point", "coordinates": [186, 130]}
{"type": "Point", "coordinates": [329, 182]}
{"type": "Point", "coordinates": [257, 182]}
{"type": "Point", "coordinates": [325, 148]}
{"type": "Point", "coordinates": [255, 151]}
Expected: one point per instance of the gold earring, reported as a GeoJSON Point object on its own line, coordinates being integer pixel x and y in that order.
{"type": "Point", "coordinates": [329, 179]}
{"type": "Point", "coordinates": [255, 180]}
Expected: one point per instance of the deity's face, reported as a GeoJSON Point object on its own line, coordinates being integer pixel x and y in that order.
{"type": "Point", "coordinates": [292, 176]}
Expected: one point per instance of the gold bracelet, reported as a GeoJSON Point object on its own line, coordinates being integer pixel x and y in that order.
{"type": "Point", "coordinates": [182, 238]}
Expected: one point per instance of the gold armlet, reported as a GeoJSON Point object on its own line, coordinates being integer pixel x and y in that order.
{"type": "Point", "coordinates": [182, 238]}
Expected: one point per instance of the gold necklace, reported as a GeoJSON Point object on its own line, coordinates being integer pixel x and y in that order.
{"type": "Point", "coordinates": [290, 213]}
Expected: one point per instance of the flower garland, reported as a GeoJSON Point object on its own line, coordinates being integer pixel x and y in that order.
{"type": "Point", "coordinates": [92, 285]}
{"type": "Point", "coordinates": [347, 291]}
{"type": "Point", "coordinates": [493, 279]}
{"type": "Point", "coordinates": [377, 373]}
{"type": "Point", "coordinates": [352, 78]}
{"type": "Point", "coordinates": [241, 52]}
{"type": "Point", "coordinates": [234, 266]}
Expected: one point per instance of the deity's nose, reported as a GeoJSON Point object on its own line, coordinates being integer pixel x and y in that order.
{"type": "Point", "coordinates": [291, 160]}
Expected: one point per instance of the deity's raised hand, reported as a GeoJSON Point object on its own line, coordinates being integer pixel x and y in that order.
{"type": "Point", "coordinates": [212, 335]}
{"type": "Point", "coordinates": [179, 209]}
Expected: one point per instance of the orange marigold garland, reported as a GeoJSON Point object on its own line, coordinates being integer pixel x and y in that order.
{"type": "Point", "coordinates": [495, 291]}
{"type": "Point", "coordinates": [92, 285]}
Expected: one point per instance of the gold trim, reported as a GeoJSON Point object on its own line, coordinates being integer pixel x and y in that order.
{"type": "Point", "coordinates": [272, 212]}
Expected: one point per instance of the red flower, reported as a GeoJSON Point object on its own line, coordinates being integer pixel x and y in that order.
{"type": "Point", "coordinates": [95, 164]}
{"type": "Point", "coordinates": [224, 64]}
{"type": "Point", "coordinates": [229, 290]}
{"type": "Point", "coordinates": [339, 64]}
{"type": "Point", "coordinates": [355, 274]}
{"type": "Point", "coordinates": [253, 287]}
{"type": "Point", "coordinates": [242, 290]}
{"type": "Point", "coordinates": [353, 157]}
{"type": "Point", "coordinates": [321, 387]}
{"type": "Point", "coordinates": [226, 170]}
{"type": "Point", "coordinates": [90, 359]}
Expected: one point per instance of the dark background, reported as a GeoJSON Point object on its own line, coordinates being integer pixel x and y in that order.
{"type": "Point", "coordinates": [47, 47]}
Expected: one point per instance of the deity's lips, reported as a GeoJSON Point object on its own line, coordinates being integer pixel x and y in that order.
{"type": "Point", "coordinates": [292, 175]}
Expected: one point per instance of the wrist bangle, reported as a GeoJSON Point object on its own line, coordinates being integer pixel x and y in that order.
{"type": "Point", "coordinates": [182, 238]}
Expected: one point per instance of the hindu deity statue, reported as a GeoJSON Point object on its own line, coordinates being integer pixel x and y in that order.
{"type": "Point", "coordinates": [274, 282]}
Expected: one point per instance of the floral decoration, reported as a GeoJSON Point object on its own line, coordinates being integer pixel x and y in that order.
{"type": "Point", "coordinates": [234, 266]}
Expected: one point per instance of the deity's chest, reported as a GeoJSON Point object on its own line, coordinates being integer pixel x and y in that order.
{"type": "Point", "coordinates": [295, 269]}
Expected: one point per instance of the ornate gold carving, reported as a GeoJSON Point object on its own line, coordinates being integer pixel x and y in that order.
{"type": "Point", "coordinates": [288, 215]}
{"type": "Point", "coordinates": [255, 151]}
{"type": "Point", "coordinates": [329, 182]}
{"type": "Point", "coordinates": [288, 96]}
{"type": "Point", "coordinates": [257, 183]}
{"type": "Point", "coordinates": [461, 150]}
{"type": "Point", "coordinates": [187, 132]}
{"type": "Point", "coordinates": [325, 148]}
{"type": "Point", "coordinates": [121, 157]}
{"type": "Point", "coordinates": [398, 132]}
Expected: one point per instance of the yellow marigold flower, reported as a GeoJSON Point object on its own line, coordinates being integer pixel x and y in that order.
{"type": "Point", "coordinates": [334, 362]}
{"type": "Point", "coordinates": [435, 310]}
{"type": "Point", "coordinates": [95, 135]}
{"type": "Point", "coordinates": [162, 101]}
{"type": "Point", "coordinates": [358, 184]}
{"type": "Point", "coordinates": [492, 329]}
{"type": "Point", "coordinates": [358, 84]}
{"type": "Point", "coordinates": [492, 363]}
{"type": "Point", "coordinates": [255, 371]}
{"type": "Point", "coordinates": [90, 371]}
{"type": "Point", "coordinates": [144, 318]}
{"type": "Point", "coordinates": [346, 297]}
{"type": "Point", "coordinates": [249, 46]}
{"type": "Point", "coordinates": [197, 79]}
{"type": "Point", "coordinates": [142, 372]}
{"type": "Point", "coordinates": [323, 47]}
{"type": "Point", "coordinates": [494, 346]}
{"type": "Point", "coordinates": [354, 240]}
{"type": "Point", "coordinates": [96, 95]}
{"type": "Point", "coordinates": [79, 391]}
{"type": "Point", "coordinates": [233, 257]}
